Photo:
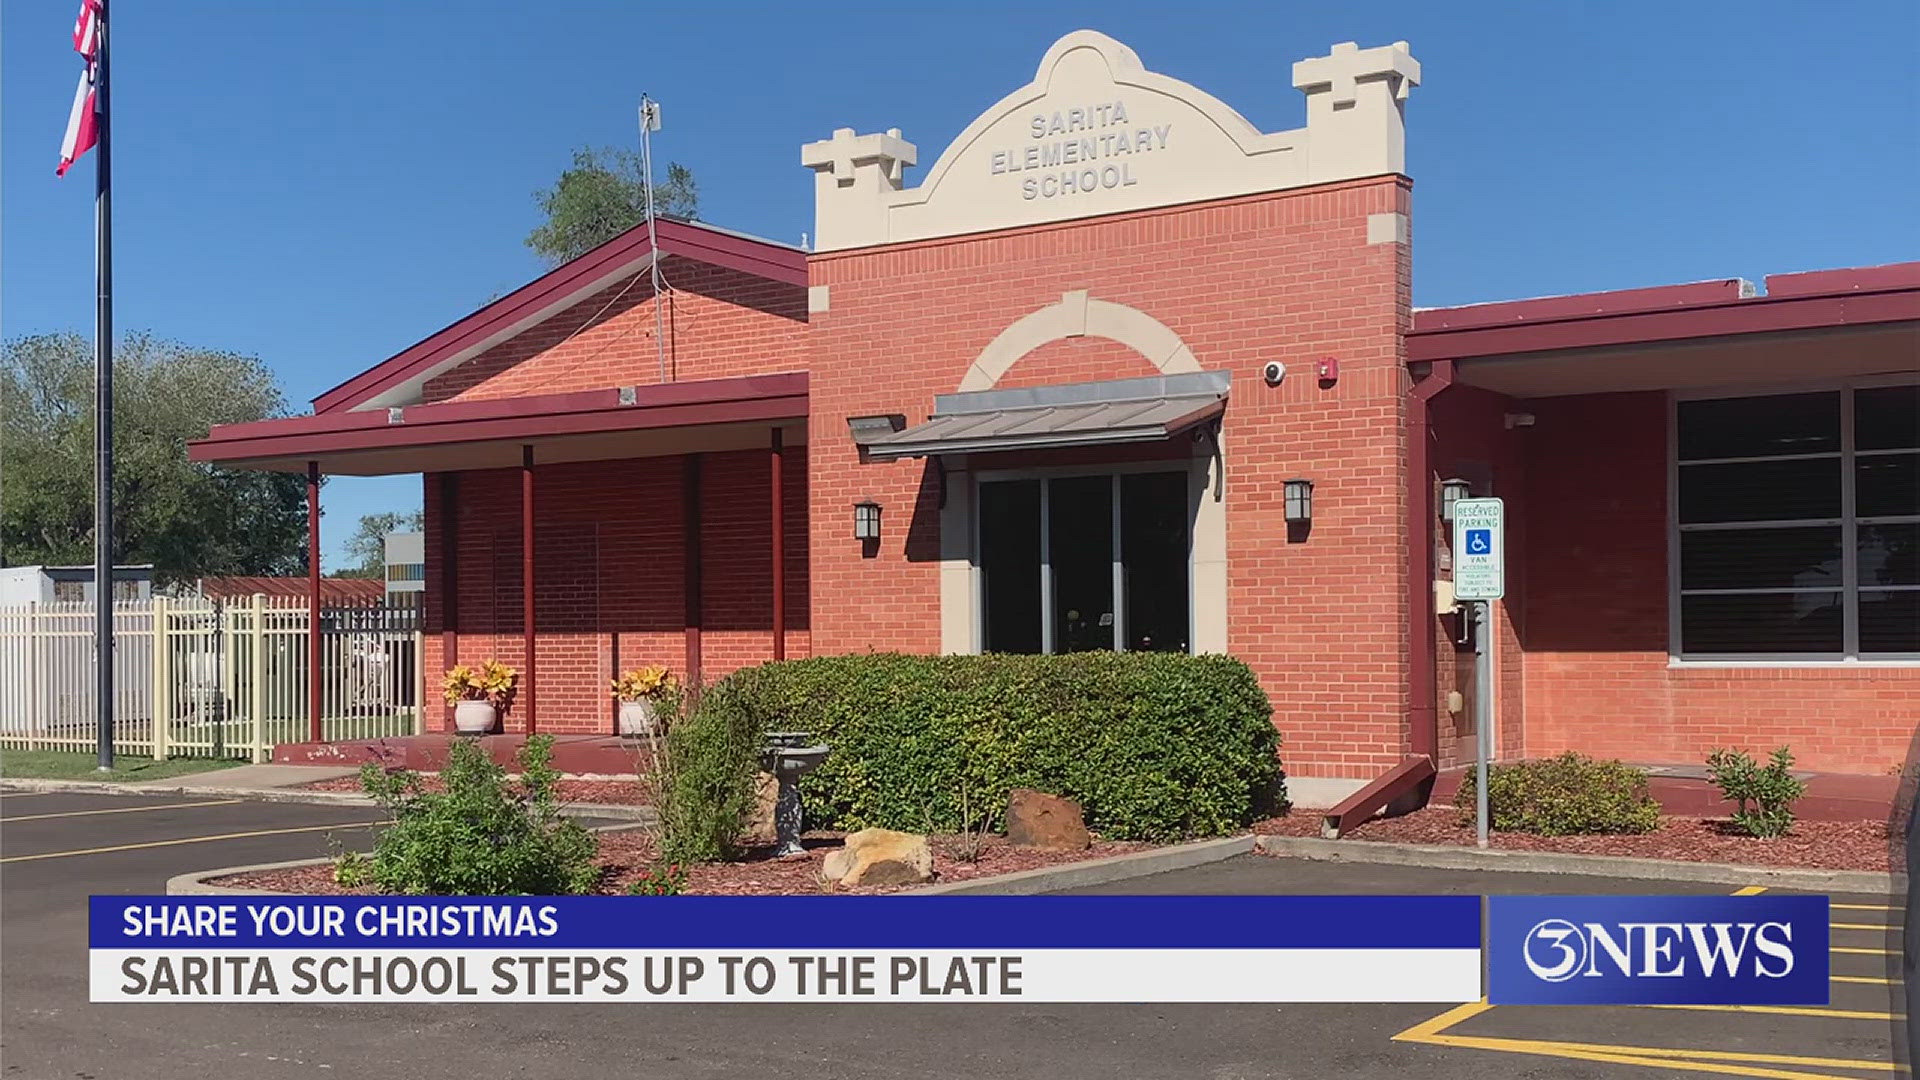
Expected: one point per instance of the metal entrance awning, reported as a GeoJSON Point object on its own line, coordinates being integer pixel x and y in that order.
{"type": "Point", "coordinates": [1045, 417]}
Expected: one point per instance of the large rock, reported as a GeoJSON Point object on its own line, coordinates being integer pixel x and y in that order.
{"type": "Point", "coordinates": [761, 829]}
{"type": "Point", "coordinates": [879, 857]}
{"type": "Point", "coordinates": [1036, 819]}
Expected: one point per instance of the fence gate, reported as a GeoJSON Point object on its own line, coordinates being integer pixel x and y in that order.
{"type": "Point", "coordinates": [197, 678]}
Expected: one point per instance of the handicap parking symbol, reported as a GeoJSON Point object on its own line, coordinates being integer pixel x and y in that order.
{"type": "Point", "coordinates": [1479, 541]}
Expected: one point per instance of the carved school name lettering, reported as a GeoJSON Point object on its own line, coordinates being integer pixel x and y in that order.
{"type": "Point", "coordinates": [1079, 150]}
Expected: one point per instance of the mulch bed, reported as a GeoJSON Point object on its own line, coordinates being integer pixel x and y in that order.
{"type": "Point", "coordinates": [1818, 845]}
{"type": "Point", "coordinates": [626, 856]}
{"type": "Point", "coordinates": [605, 792]}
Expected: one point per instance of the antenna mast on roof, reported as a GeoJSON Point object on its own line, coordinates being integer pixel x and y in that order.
{"type": "Point", "coordinates": [650, 123]}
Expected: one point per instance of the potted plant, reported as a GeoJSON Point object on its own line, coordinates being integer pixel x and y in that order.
{"type": "Point", "coordinates": [636, 691]}
{"type": "Point", "coordinates": [477, 695]}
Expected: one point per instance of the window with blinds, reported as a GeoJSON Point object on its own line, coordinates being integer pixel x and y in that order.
{"type": "Point", "coordinates": [1798, 523]}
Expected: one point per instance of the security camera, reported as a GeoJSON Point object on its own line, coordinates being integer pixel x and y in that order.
{"type": "Point", "coordinates": [1273, 372]}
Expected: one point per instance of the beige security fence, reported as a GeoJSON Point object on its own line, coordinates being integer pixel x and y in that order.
{"type": "Point", "coordinates": [197, 678]}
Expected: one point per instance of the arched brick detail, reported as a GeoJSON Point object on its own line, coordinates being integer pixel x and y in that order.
{"type": "Point", "coordinates": [1077, 315]}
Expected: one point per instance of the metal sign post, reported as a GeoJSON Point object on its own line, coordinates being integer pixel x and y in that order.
{"type": "Point", "coordinates": [1479, 578]}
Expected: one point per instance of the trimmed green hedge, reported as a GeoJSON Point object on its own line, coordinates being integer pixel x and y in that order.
{"type": "Point", "coordinates": [1155, 746]}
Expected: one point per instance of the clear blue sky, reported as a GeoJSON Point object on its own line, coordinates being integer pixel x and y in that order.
{"type": "Point", "coordinates": [322, 184]}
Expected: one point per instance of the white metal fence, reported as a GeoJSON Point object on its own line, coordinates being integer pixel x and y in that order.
{"type": "Point", "coordinates": [197, 678]}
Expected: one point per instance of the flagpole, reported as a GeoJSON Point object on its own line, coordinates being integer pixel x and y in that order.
{"type": "Point", "coordinates": [103, 411]}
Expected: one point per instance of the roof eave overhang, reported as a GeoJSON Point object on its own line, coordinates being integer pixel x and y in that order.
{"type": "Point", "coordinates": [1457, 335]}
{"type": "Point", "coordinates": [753, 398]}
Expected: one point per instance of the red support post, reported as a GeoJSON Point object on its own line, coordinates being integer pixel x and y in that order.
{"type": "Point", "coordinates": [526, 689]}
{"type": "Point", "coordinates": [314, 680]}
{"type": "Point", "coordinates": [778, 458]}
{"type": "Point", "coordinates": [449, 598]}
{"type": "Point", "coordinates": [1423, 718]}
{"type": "Point", "coordinates": [690, 560]}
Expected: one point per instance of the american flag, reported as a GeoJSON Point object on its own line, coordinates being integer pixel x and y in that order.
{"type": "Point", "coordinates": [83, 123]}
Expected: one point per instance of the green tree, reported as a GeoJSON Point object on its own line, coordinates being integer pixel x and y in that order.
{"type": "Point", "coordinates": [367, 549]}
{"type": "Point", "coordinates": [187, 519]}
{"type": "Point", "coordinates": [603, 195]}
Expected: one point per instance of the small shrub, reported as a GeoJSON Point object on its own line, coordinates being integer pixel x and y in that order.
{"type": "Point", "coordinates": [976, 824]}
{"type": "Point", "coordinates": [1562, 796]}
{"type": "Point", "coordinates": [1154, 746]}
{"type": "Point", "coordinates": [669, 880]}
{"type": "Point", "coordinates": [352, 870]}
{"type": "Point", "coordinates": [1764, 794]}
{"type": "Point", "coordinates": [484, 835]}
{"type": "Point", "coordinates": [700, 775]}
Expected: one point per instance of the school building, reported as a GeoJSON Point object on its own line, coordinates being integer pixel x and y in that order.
{"type": "Point", "coordinates": [1117, 370]}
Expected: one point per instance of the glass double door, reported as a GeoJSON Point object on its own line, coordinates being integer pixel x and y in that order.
{"type": "Point", "coordinates": [1073, 563]}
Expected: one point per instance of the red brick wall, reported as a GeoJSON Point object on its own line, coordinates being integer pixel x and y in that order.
{"type": "Point", "coordinates": [1284, 276]}
{"type": "Point", "coordinates": [1597, 673]}
{"type": "Point", "coordinates": [719, 323]}
{"type": "Point", "coordinates": [609, 574]}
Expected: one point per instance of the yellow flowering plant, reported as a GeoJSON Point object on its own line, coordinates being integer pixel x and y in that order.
{"type": "Point", "coordinates": [642, 684]}
{"type": "Point", "coordinates": [491, 681]}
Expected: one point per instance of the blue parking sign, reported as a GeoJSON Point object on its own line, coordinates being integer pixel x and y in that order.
{"type": "Point", "coordinates": [1479, 541]}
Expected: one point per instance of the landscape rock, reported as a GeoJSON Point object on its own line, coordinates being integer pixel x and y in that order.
{"type": "Point", "coordinates": [879, 857]}
{"type": "Point", "coordinates": [1036, 819]}
{"type": "Point", "coordinates": [760, 829]}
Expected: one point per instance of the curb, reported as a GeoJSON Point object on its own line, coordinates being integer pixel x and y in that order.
{"type": "Point", "coordinates": [1094, 871]}
{"type": "Point", "coordinates": [1448, 857]}
{"type": "Point", "coordinates": [277, 795]}
{"type": "Point", "coordinates": [1018, 883]}
{"type": "Point", "coordinates": [196, 882]}
{"type": "Point", "coordinates": [199, 882]}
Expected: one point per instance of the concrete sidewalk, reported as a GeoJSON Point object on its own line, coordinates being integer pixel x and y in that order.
{"type": "Point", "coordinates": [271, 783]}
{"type": "Point", "coordinates": [252, 777]}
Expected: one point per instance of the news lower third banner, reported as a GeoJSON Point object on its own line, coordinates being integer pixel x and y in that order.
{"type": "Point", "coordinates": [1567, 950]}
{"type": "Point", "coordinates": [786, 949]}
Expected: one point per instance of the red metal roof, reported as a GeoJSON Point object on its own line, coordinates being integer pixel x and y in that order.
{"type": "Point", "coordinates": [706, 401]}
{"type": "Point", "coordinates": [690, 240]}
{"type": "Point", "coordinates": [1803, 301]}
{"type": "Point", "coordinates": [332, 590]}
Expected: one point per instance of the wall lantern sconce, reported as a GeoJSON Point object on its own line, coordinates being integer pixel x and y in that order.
{"type": "Point", "coordinates": [1299, 502]}
{"type": "Point", "coordinates": [1452, 491]}
{"type": "Point", "coordinates": [866, 520]}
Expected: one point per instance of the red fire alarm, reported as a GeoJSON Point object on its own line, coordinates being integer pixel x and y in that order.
{"type": "Point", "coordinates": [1329, 369]}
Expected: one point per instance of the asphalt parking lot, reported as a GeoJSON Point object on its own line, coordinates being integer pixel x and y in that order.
{"type": "Point", "coordinates": [56, 849]}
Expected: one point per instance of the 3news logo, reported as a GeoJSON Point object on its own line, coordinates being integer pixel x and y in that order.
{"type": "Point", "coordinates": [1657, 950]}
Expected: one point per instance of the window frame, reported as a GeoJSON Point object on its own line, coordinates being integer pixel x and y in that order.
{"type": "Point", "coordinates": [1848, 521]}
{"type": "Point", "coordinates": [1064, 472]}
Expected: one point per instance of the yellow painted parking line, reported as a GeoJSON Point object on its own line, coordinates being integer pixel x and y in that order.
{"type": "Point", "coordinates": [1862, 926]}
{"type": "Point", "coordinates": [1751, 890]}
{"type": "Point", "coordinates": [1863, 952]}
{"type": "Point", "coordinates": [1428, 1028]}
{"type": "Point", "coordinates": [1790, 1010]}
{"type": "Point", "coordinates": [1863, 907]}
{"type": "Point", "coordinates": [1732, 1055]}
{"type": "Point", "coordinates": [1714, 1061]}
{"type": "Point", "coordinates": [1872, 980]}
{"type": "Point", "coordinates": [119, 810]}
{"type": "Point", "coordinates": [187, 840]}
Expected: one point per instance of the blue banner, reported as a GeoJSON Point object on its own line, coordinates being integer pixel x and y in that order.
{"type": "Point", "coordinates": [787, 922]}
{"type": "Point", "coordinates": [1657, 950]}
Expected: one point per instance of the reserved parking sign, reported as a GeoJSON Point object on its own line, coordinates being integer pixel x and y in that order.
{"type": "Point", "coordinates": [1479, 549]}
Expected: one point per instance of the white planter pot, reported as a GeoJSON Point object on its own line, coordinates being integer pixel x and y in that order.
{"type": "Point", "coordinates": [637, 717]}
{"type": "Point", "coordinates": [474, 717]}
